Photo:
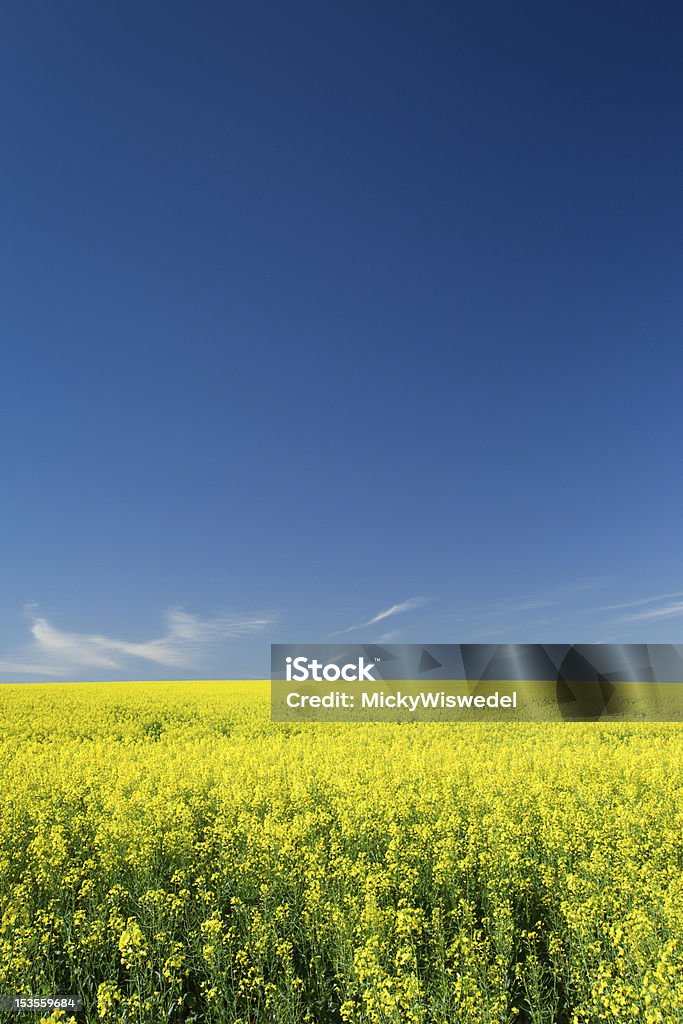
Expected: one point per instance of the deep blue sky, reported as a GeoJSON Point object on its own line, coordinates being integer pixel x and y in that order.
{"type": "Point", "coordinates": [311, 310]}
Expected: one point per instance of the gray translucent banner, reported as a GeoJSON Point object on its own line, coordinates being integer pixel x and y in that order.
{"type": "Point", "coordinates": [476, 682]}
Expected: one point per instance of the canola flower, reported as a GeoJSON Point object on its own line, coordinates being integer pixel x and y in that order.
{"type": "Point", "coordinates": [169, 854]}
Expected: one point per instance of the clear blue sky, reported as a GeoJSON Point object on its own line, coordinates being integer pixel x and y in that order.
{"type": "Point", "coordinates": [312, 312]}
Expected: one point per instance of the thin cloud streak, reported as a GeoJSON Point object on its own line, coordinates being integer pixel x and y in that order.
{"type": "Point", "coordinates": [520, 604]}
{"type": "Point", "coordinates": [395, 609]}
{"type": "Point", "coordinates": [642, 600]}
{"type": "Point", "coordinates": [54, 652]}
{"type": "Point", "coordinates": [670, 611]}
{"type": "Point", "coordinates": [388, 638]}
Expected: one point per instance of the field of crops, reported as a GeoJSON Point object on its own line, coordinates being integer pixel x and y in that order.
{"type": "Point", "coordinates": [168, 854]}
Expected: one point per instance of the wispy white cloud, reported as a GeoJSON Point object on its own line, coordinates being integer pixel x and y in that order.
{"type": "Point", "coordinates": [640, 601]}
{"type": "Point", "coordinates": [667, 611]}
{"type": "Point", "coordinates": [395, 609]}
{"type": "Point", "coordinates": [389, 637]}
{"type": "Point", "coordinates": [56, 653]}
{"type": "Point", "coordinates": [518, 605]}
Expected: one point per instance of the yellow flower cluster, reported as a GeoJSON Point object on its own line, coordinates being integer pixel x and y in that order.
{"type": "Point", "coordinates": [169, 854]}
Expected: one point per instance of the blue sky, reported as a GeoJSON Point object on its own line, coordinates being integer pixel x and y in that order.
{"type": "Point", "coordinates": [323, 318]}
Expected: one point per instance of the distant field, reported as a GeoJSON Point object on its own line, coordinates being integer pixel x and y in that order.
{"type": "Point", "coordinates": [168, 854]}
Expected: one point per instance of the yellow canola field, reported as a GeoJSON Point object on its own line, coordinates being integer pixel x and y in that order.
{"type": "Point", "coordinates": [169, 854]}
